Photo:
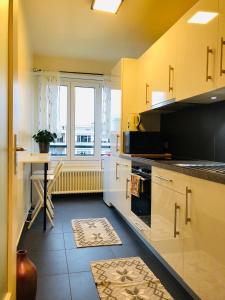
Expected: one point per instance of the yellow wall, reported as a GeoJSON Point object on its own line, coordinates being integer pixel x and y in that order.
{"type": "Point", "coordinates": [20, 121]}
{"type": "Point", "coordinates": [3, 145]}
{"type": "Point", "coordinates": [71, 64]}
{"type": "Point", "coordinates": [24, 119]}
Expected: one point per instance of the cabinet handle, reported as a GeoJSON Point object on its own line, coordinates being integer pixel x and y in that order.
{"type": "Point", "coordinates": [117, 177]}
{"type": "Point", "coordinates": [138, 227]}
{"type": "Point", "coordinates": [209, 51]}
{"type": "Point", "coordinates": [127, 194]}
{"type": "Point", "coordinates": [187, 218]}
{"type": "Point", "coordinates": [171, 69]}
{"type": "Point", "coordinates": [146, 93]}
{"type": "Point", "coordinates": [163, 178]}
{"type": "Point", "coordinates": [117, 142]}
{"type": "Point", "coordinates": [176, 208]}
{"type": "Point", "coordinates": [102, 164]}
{"type": "Point", "coordinates": [222, 71]}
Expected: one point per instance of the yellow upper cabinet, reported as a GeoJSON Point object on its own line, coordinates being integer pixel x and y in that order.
{"type": "Point", "coordinates": [221, 46]}
{"type": "Point", "coordinates": [144, 82]}
{"type": "Point", "coordinates": [197, 44]}
{"type": "Point", "coordinates": [123, 99]}
{"type": "Point", "coordinates": [163, 65]}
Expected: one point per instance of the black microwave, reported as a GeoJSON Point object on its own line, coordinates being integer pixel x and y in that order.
{"type": "Point", "coordinates": [142, 142]}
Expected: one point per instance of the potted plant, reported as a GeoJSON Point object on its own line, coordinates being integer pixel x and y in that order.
{"type": "Point", "coordinates": [44, 138]}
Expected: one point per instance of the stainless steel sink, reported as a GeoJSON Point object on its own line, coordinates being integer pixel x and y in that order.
{"type": "Point", "coordinates": [200, 164]}
{"type": "Point", "coordinates": [211, 167]}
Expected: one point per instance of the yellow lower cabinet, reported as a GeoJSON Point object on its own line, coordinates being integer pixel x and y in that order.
{"type": "Point", "coordinates": [204, 239]}
{"type": "Point", "coordinates": [167, 223]}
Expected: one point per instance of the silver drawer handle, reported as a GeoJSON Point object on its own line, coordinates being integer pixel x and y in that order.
{"type": "Point", "coordinates": [176, 208]}
{"type": "Point", "coordinates": [163, 178]}
{"type": "Point", "coordinates": [137, 225]}
{"type": "Point", "coordinates": [187, 217]}
{"type": "Point", "coordinates": [127, 183]}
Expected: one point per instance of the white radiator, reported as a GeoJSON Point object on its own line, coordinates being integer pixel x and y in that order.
{"type": "Point", "coordinates": [78, 181]}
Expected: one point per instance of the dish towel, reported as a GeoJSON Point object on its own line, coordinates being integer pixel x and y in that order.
{"type": "Point", "coordinates": [136, 185]}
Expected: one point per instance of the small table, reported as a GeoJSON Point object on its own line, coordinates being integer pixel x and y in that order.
{"type": "Point", "coordinates": [39, 158]}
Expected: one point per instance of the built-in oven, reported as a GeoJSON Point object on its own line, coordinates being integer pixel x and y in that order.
{"type": "Point", "coordinates": [141, 202]}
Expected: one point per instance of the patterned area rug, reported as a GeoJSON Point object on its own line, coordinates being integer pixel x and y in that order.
{"type": "Point", "coordinates": [94, 232]}
{"type": "Point", "coordinates": [127, 279]}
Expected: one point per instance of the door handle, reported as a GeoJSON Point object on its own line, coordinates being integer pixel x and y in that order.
{"type": "Point", "coordinates": [209, 51]}
{"type": "Point", "coordinates": [20, 149]}
{"type": "Point", "coordinates": [176, 208]}
{"type": "Point", "coordinates": [117, 143]}
{"type": "Point", "coordinates": [187, 218]}
{"type": "Point", "coordinates": [164, 179]}
{"type": "Point", "coordinates": [117, 177]}
{"type": "Point", "coordinates": [146, 93]}
{"type": "Point", "coordinates": [171, 69]}
{"type": "Point", "coordinates": [127, 194]}
{"type": "Point", "coordinates": [222, 71]}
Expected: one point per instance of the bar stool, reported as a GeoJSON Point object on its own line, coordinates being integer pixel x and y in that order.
{"type": "Point", "coordinates": [38, 179]}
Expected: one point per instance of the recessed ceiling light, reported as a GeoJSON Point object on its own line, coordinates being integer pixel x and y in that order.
{"type": "Point", "coordinates": [213, 98]}
{"type": "Point", "coordinates": [202, 17]}
{"type": "Point", "coordinates": [111, 6]}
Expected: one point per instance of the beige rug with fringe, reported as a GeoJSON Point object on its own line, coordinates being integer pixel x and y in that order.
{"type": "Point", "coordinates": [94, 232]}
{"type": "Point", "coordinates": [127, 279]}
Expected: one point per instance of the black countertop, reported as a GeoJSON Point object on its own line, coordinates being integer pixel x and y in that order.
{"type": "Point", "coordinates": [172, 166]}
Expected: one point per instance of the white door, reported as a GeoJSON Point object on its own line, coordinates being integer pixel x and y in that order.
{"type": "Point", "coordinates": [3, 146]}
{"type": "Point", "coordinates": [197, 51]}
{"type": "Point", "coordinates": [166, 225]}
{"type": "Point", "coordinates": [221, 46]}
{"type": "Point", "coordinates": [204, 239]}
{"type": "Point", "coordinates": [106, 179]}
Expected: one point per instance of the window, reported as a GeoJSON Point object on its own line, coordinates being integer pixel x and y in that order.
{"type": "Point", "coordinates": [84, 114]}
{"type": "Point", "coordinates": [59, 148]}
{"type": "Point", "coordinates": [80, 126]}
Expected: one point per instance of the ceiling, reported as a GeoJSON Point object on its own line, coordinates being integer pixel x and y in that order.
{"type": "Point", "coordinates": [70, 29]}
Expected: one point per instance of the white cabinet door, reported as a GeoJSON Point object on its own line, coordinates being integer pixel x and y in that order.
{"type": "Point", "coordinates": [204, 239]}
{"type": "Point", "coordinates": [143, 82]}
{"type": "Point", "coordinates": [221, 46]}
{"type": "Point", "coordinates": [197, 51]}
{"type": "Point", "coordinates": [124, 172]}
{"type": "Point", "coordinates": [106, 161]}
{"type": "Point", "coordinates": [163, 55]}
{"type": "Point", "coordinates": [166, 228]}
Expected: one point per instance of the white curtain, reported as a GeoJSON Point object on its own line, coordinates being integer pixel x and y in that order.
{"type": "Point", "coordinates": [106, 107]}
{"type": "Point", "coordinates": [48, 102]}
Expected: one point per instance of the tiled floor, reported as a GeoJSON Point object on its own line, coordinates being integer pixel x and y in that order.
{"type": "Point", "coordinates": [64, 271]}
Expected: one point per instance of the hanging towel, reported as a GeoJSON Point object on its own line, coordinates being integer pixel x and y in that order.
{"type": "Point", "coordinates": [136, 185]}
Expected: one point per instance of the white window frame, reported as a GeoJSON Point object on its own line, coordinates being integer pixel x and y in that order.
{"type": "Point", "coordinates": [70, 128]}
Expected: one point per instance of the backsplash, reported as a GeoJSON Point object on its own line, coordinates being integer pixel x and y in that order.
{"type": "Point", "coordinates": [197, 132]}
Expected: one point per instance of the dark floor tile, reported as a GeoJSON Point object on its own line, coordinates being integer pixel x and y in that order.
{"type": "Point", "coordinates": [69, 241]}
{"type": "Point", "coordinates": [50, 262]}
{"type": "Point", "coordinates": [42, 241]}
{"type": "Point", "coordinates": [47, 250]}
{"type": "Point", "coordinates": [83, 286]}
{"type": "Point", "coordinates": [53, 288]}
{"type": "Point", "coordinates": [79, 259]}
{"type": "Point", "coordinates": [67, 228]}
{"type": "Point", "coordinates": [38, 226]}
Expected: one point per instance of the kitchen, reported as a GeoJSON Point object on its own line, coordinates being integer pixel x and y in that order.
{"type": "Point", "coordinates": [180, 85]}
{"type": "Point", "coordinates": [146, 152]}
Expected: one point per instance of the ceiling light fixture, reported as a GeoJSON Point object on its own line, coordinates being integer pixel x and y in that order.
{"type": "Point", "coordinates": [202, 17]}
{"type": "Point", "coordinates": [111, 6]}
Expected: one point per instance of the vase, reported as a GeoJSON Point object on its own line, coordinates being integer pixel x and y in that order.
{"type": "Point", "coordinates": [44, 147]}
{"type": "Point", "coordinates": [26, 277]}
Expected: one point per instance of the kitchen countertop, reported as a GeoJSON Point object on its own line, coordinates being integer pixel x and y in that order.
{"type": "Point", "coordinates": [171, 165]}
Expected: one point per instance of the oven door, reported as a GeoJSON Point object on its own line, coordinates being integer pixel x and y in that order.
{"type": "Point", "coordinates": [141, 206]}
